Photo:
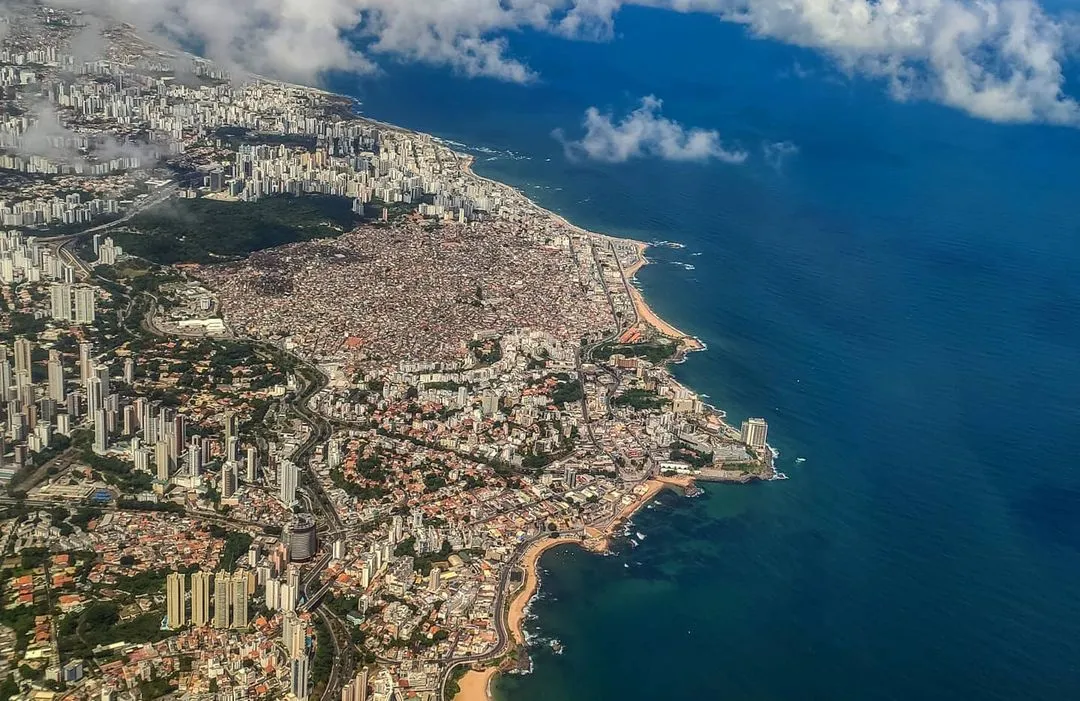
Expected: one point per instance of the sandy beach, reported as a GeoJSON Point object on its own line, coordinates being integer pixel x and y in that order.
{"type": "Point", "coordinates": [653, 487]}
{"type": "Point", "coordinates": [531, 558]}
{"type": "Point", "coordinates": [475, 685]}
{"type": "Point", "coordinates": [645, 312]}
{"type": "Point", "coordinates": [529, 562]}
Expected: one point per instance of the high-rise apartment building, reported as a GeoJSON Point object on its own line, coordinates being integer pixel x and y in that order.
{"type": "Point", "coordinates": [222, 596]}
{"type": "Point", "coordinates": [231, 437]}
{"type": "Point", "coordinates": [86, 363]}
{"type": "Point", "coordinates": [161, 461]}
{"type": "Point", "coordinates": [298, 677]}
{"type": "Point", "coordinates": [101, 432]}
{"type": "Point", "coordinates": [84, 304]}
{"type": "Point", "coordinates": [56, 377]}
{"type": "Point", "coordinates": [228, 480]}
{"type": "Point", "coordinates": [239, 599]}
{"type": "Point", "coordinates": [251, 464]}
{"type": "Point", "coordinates": [175, 595]}
{"type": "Point", "coordinates": [754, 433]}
{"type": "Point", "coordinates": [24, 350]}
{"type": "Point", "coordinates": [356, 689]}
{"type": "Point", "coordinates": [294, 635]}
{"type": "Point", "coordinates": [288, 476]}
{"type": "Point", "coordinates": [60, 298]}
{"type": "Point", "coordinates": [200, 598]}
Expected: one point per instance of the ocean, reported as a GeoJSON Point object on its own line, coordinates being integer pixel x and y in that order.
{"type": "Point", "coordinates": [898, 296]}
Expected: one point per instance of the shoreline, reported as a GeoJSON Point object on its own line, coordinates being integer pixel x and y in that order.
{"type": "Point", "coordinates": [645, 313]}
{"type": "Point", "coordinates": [530, 585]}
{"type": "Point", "coordinates": [476, 684]}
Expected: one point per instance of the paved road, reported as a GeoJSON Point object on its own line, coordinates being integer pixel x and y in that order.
{"type": "Point", "coordinates": [321, 430]}
{"type": "Point", "coordinates": [26, 480]}
{"type": "Point", "coordinates": [64, 242]}
{"type": "Point", "coordinates": [344, 659]}
{"type": "Point", "coordinates": [344, 666]}
{"type": "Point", "coordinates": [502, 628]}
{"type": "Point", "coordinates": [312, 492]}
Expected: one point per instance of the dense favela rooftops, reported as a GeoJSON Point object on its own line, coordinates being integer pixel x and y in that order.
{"type": "Point", "coordinates": [411, 292]}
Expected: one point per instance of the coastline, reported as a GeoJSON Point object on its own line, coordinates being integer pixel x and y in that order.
{"type": "Point", "coordinates": [645, 313]}
{"type": "Point", "coordinates": [530, 585]}
{"type": "Point", "coordinates": [476, 684]}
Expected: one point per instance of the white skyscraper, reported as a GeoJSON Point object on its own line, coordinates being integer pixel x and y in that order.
{"type": "Point", "coordinates": [298, 677]}
{"type": "Point", "coordinates": [288, 595]}
{"type": "Point", "coordinates": [294, 635]}
{"type": "Point", "coordinates": [288, 476]}
{"type": "Point", "coordinates": [6, 380]}
{"type": "Point", "coordinates": [56, 377]}
{"type": "Point", "coordinates": [361, 683]}
{"type": "Point", "coordinates": [86, 365]}
{"type": "Point", "coordinates": [194, 456]}
{"type": "Point", "coordinates": [95, 398]}
{"type": "Point", "coordinates": [60, 295]}
{"type": "Point", "coordinates": [239, 586]}
{"type": "Point", "coordinates": [161, 461]}
{"type": "Point", "coordinates": [84, 304]}
{"type": "Point", "coordinates": [24, 350]}
{"type": "Point", "coordinates": [251, 464]}
{"type": "Point", "coordinates": [754, 433]}
{"type": "Point", "coordinates": [231, 436]}
{"type": "Point", "coordinates": [272, 593]}
{"type": "Point", "coordinates": [222, 595]}
{"type": "Point", "coordinates": [101, 432]}
{"type": "Point", "coordinates": [356, 690]}
{"type": "Point", "coordinates": [102, 373]}
{"type": "Point", "coordinates": [228, 480]}
{"type": "Point", "coordinates": [107, 252]}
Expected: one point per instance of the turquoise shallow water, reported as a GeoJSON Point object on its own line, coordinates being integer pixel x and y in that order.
{"type": "Point", "coordinates": [899, 299]}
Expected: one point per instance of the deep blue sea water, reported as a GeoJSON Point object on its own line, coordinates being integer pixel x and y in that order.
{"type": "Point", "coordinates": [900, 299]}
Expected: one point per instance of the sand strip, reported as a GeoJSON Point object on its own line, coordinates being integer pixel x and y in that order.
{"type": "Point", "coordinates": [530, 562]}
{"type": "Point", "coordinates": [476, 686]}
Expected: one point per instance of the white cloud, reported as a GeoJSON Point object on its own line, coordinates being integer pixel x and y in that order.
{"type": "Point", "coordinates": [292, 39]}
{"type": "Point", "coordinates": [645, 132]}
{"type": "Point", "coordinates": [304, 39]}
{"type": "Point", "coordinates": [777, 153]}
{"type": "Point", "coordinates": [47, 136]}
{"type": "Point", "coordinates": [994, 59]}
